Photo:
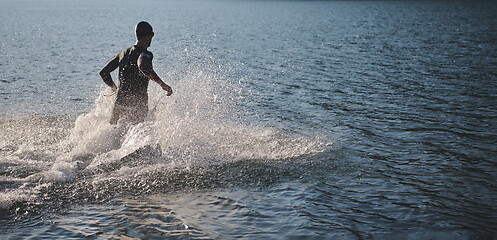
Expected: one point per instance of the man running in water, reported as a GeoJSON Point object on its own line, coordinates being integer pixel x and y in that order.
{"type": "Point", "coordinates": [135, 70]}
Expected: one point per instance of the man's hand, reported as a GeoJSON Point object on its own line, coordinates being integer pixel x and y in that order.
{"type": "Point", "coordinates": [113, 88]}
{"type": "Point", "coordinates": [167, 88]}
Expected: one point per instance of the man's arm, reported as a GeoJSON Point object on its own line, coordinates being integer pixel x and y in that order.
{"type": "Point", "coordinates": [145, 65]}
{"type": "Point", "coordinates": [154, 77]}
{"type": "Point", "coordinates": [105, 72]}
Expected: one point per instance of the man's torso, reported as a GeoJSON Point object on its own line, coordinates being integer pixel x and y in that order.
{"type": "Point", "coordinates": [133, 82]}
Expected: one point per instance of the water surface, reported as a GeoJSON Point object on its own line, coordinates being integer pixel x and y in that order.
{"type": "Point", "coordinates": [290, 120]}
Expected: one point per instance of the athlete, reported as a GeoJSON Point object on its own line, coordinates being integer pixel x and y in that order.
{"type": "Point", "coordinates": [135, 70]}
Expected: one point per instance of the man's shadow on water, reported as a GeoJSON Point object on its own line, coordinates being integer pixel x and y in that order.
{"type": "Point", "coordinates": [135, 158]}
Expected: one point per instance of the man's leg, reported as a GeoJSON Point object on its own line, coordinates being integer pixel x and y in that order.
{"type": "Point", "coordinates": [116, 114]}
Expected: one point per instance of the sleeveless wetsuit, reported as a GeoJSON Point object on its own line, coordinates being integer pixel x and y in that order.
{"type": "Point", "coordinates": [132, 98]}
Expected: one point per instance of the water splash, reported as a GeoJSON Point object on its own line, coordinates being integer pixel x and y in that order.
{"type": "Point", "coordinates": [182, 143]}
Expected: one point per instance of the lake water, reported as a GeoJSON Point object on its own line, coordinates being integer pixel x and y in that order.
{"type": "Point", "coordinates": [290, 120]}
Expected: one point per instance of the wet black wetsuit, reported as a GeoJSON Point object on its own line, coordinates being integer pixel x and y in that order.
{"type": "Point", "coordinates": [132, 98]}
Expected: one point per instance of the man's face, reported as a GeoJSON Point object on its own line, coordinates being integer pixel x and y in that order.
{"type": "Point", "coordinates": [149, 39]}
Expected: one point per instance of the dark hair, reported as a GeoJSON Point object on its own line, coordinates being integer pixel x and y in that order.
{"type": "Point", "coordinates": [143, 29]}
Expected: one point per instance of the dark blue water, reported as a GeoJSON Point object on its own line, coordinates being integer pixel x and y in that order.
{"type": "Point", "coordinates": [290, 120]}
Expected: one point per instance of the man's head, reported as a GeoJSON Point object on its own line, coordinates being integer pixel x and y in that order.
{"type": "Point", "coordinates": [144, 32]}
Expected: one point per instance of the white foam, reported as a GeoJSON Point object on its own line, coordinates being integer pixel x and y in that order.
{"type": "Point", "coordinates": [60, 172]}
{"type": "Point", "coordinates": [92, 132]}
{"type": "Point", "coordinates": [10, 197]}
